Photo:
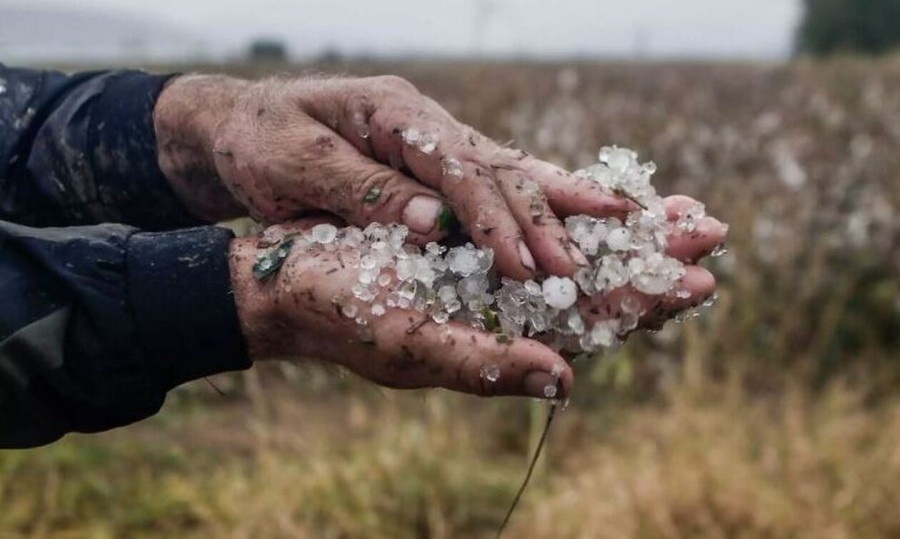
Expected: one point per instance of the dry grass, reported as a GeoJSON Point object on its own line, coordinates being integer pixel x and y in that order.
{"type": "Point", "coordinates": [720, 465]}
{"type": "Point", "coordinates": [361, 465]}
{"type": "Point", "coordinates": [707, 463]}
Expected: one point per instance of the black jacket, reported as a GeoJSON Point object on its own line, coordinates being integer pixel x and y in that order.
{"type": "Point", "coordinates": [98, 321]}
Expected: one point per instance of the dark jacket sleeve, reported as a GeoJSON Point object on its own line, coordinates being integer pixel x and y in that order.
{"type": "Point", "coordinates": [98, 323]}
{"type": "Point", "coordinates": [81, 149]}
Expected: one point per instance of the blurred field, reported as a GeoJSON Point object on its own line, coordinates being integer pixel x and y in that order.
{"type": "Point", "coordinates": [774, 415]}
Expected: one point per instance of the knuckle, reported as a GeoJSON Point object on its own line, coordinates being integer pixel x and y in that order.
{"type": "Point", "coordinates": [375, 190]}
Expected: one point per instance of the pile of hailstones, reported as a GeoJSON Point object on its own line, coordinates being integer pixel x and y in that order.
{"type": "Point", "coordinates": [459, 284]}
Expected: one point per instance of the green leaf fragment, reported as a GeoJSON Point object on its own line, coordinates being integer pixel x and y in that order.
{"type": "Point", "coordinates": [269, 263]}
{"type": "Point", "coordinates": [373, 195]}
{"type": "Point", "coordinates": [491, 322]}
{"type": "Point", "coordinates": [446, 219]}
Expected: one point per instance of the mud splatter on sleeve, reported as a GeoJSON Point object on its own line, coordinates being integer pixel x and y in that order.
{"type": "Point", "coordinates": [81, 149]}
{"type": "Point", "coordinates": [98, 323]}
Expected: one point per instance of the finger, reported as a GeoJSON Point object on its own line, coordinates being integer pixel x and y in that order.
{"type": "Point", "coordinates": [676, 204]}
{"type": "Point", "coordinates": [355, 125]}
{"type": "Point", "coordinates": [482, 208]}
{"type": "Point", "coordinates": [642, 310]}
{"type": "Point", "coordinates": [375, 193]}
{"type": "Point", "coordinates": [443, 154]}
{"type": "Point", "coordinates": [692, 245]}
{"type": "Point", "coordinates": [570, 195]}
{"type": "Point", "coordinates": [357, 188]}
{"type": "Point", "coordinates": [460, 358]}
{"type": "Point", "coordinates": [544, 234]}
{"type": "Point", "coordinates": [689, 247]}
{"type": "Point", "coordinates": [472, 192]}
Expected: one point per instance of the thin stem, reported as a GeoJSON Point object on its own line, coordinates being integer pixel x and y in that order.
{"type": "Point", "coordinates": [534, 459]}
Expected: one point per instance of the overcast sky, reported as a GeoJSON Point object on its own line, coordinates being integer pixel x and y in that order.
{"type": "Point", "coordinates": [218, 28]}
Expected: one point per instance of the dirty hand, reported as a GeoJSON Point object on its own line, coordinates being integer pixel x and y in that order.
{"type": "Point", "coordinates": [302, 311]}
{"type": "Point", "coordinates": [366, 150]}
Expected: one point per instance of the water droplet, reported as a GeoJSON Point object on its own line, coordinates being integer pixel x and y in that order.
{"type": "Point", "coordinates": [720, 250]}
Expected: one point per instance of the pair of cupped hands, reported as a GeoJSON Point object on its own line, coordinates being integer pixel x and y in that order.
{"type": "Point", "coordinates": [293, 153]}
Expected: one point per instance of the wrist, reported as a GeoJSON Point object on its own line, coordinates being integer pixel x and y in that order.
{"type": "Point", "coordinates": [185, 119]}
{"type": "Point", "coordinates": [257, 305]}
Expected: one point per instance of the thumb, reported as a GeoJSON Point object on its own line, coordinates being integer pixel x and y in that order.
{"type": "Point", "coordinates": [363, 191]}
{"type": "Point", "coordinates": [379, 194]}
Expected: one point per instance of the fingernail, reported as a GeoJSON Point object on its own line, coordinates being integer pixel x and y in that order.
{"type": "Point", "coordinates": [525, 256]}
{"type": "Point", "coordinates": [577, 256]}
{"type": "Point", "coordinates": [541, 385]}
{"type": "Point", "coordinates": [421, 213]}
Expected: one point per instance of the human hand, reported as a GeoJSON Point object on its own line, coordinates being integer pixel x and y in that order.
{"type": "Point", "coordinates": [281, 149]}
{"type": "Point", "coordinates": [307, 310]}
{"type": "Point", "coordinates": [302, 312]}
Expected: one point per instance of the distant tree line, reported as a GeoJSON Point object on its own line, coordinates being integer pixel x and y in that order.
{"type": "Point", "coordinates": [852, 26]}
{"type": "Point", "coordinates": [267, 50]}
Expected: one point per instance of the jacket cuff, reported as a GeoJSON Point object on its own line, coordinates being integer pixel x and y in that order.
{"type": "Point", "coordinates": [180, 292]}
{"type": "Point", "coordinates": [125, 155]}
